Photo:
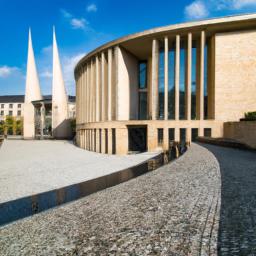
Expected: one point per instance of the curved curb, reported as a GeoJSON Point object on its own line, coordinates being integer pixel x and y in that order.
{"type": "Point", "coordinates": [23, 207]}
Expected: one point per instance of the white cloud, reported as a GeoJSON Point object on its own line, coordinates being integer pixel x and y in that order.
{"type": "Point", "coordinates": [65, 13]}
{"type": "Point", "coordinates": [46, 74]}
{"type": "Point", "coordinates": [47, 49]}
{"type": "Point", "coordinates": [68, 64]}
{"type": "Point", "coordinates": [78, 23]}
{"type": "Point", "coordinates": [240, 4]}
{"type": "Point", "coordinates": [92, 8]}
{"type": "Point", "coordinates": [6, 71]}
{"type": "Point", "coordinates": [196, 10]}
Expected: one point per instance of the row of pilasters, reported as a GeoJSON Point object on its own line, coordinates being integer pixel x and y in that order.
{"type": "Point", "coordinates": [96, 90]}
{"type": "Point", "coordinates": [154, 101]}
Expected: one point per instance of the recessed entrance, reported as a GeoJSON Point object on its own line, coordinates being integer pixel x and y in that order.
{"type": "Point", "coordinates": [137, 136]}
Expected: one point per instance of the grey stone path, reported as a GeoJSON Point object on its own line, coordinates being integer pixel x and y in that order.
{"type": "Point", "coordinates": [31, 167]}
{"type": "Point", "coordinates": [202, 204]}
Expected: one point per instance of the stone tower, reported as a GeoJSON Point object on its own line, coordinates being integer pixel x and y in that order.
{"type": "Point", "coordinates": [60, 123]}
{"type": "Point", "coordinates": [32, 92]}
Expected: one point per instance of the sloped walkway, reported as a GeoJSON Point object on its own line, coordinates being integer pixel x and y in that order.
{"type": "Point", "coordinates": [171, 211]}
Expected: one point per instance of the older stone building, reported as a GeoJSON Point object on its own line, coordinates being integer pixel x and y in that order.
{"type": "Point", "coordinates": [146, 90]}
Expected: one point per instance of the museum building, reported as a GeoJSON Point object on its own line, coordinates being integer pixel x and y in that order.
{"type": "Point", "coordinates": [171, 84]}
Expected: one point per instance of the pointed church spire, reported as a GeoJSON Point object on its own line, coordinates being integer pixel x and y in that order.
{"type": "Point", "coordinates": [32, 82]}
{"type": "Point", "coordinates": [60, 125]}
{"type": "Point", "coordinates": [32, 91]}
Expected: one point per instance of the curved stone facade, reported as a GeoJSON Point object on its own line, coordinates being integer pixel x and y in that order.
{"type": "Point", "coordinates": [171, 84]}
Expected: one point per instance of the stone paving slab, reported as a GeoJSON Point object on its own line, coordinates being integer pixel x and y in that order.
{"type": "Point", "coordinates": [171, 211]}
{"type": "Point", "coordinates": [32, 167]}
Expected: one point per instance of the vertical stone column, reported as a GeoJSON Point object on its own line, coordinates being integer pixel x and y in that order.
{"type": "Point", "coordinates": [188, 84]}
{"type": "Point", "coordinates": [166, 53]}
{"type": "Point", "coordinates": [77, 97]}
{"type": "Point", "coordinates": [166, 139]}
{"type": "Point", "coordinates": [91, 92]}
{"type": "Point", "coordinates": [86, 135]}
{"type": "Point", "coordinates": [82, 95]}
{"type": "Point", "coordinates": [97, 89]}
{"type": "Point", "coordinates": [152, 138]}
{"type": "Point", "coordinates": [103, 141]}
{"type": "Point", "coordinates": [42, 112]}
{"type": "Point", "coordinates": [110, 141]}
{"type": "Point", "coordinates": [84, 138]}
{"type": "Point", "coordinates": [188, 135]}
{"type": "Point", "coordinates": [177, 134]}
{"type": "Point", "coordinates": [121, 141]}
{"type": "Point", "coordinates": [97, 140]}
{"type": "Point", "coordinates": [202, 46]}
{"type": "Point", "coordinates": [177, 79]}
{"type": "Point", "coordinates": [154, 91]}
{"type": "Point", "coordinates": [109, 84]}
{"type": "Point", "coordinates": [103, 96]}
{"type": "Point", "coordinates": [92, 140]}
{"type": "Point", "coordinates": [94, 90]}
{"type": "Point", "coordinates": [87, 93]}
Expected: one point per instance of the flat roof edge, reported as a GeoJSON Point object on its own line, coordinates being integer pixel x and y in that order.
{"type": "Point", "coordinates": [162, 29]}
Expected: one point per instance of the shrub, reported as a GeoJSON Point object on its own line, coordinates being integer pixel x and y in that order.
{"type": "Point", "coordinates": [250, 116]}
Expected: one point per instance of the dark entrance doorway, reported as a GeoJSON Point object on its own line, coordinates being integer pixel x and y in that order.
{"type": "Point", "coordinates": [137, 137]}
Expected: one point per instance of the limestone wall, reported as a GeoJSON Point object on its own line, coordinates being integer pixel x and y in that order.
{"type": "Point", "coordinates": [235, 74]}
{"type": "Point", "coordinates": [244, 132]}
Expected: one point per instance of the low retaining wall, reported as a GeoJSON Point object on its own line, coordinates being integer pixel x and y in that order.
{"type": "Point", "coordinates": [244, 132]}
{"type": "Point", "coordinates": [24, 207]}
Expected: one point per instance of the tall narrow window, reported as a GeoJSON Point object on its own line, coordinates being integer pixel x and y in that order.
{"type": "Point", "coordinates": [160, 136]}
{"type": "Point", "coordinates": [183, 136]}
{"type": "Point", "coordinates": [113, 141]}
{"type": "Point", "coordinates": [206, 81]}
{"type": "Point", "coordinates": [194, 80]}
{"type": "Point", "coordinates": [161, 85]}
{"type": "Point", "coordinates": [182, 79]}
{"type": "Point", "coordinates": [194, 134]}
{"type": "Point", "coordinates": [143, 92]}
{"type": "Point", "coordinates": [171, 82]}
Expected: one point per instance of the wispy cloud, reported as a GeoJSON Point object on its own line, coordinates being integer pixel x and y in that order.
{"type": "Point", "coordinates": [65, 13]}
{"type": "Point", "coordinates": [76, 23]}
{"type": "Point", "coordinates": [47, 49]}
{"type": "Point", "coordinates": [204, 8]}
{"type": "Point", "coordinates": [46, 74]}
{"type": "Point", "coordinates": [91, 8]}
{"type": "Point", "coordinates": [6, 71]}
{"type": "Point", "coordinates": [196, 10]}
{"type": "Point", "coordinates": [68, 64]}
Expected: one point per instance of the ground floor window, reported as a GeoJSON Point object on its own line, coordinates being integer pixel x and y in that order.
{"type": "Point", "coordinates": [207, 132]}
{"type": "Point", "coordinates": [137, 138]}
{"type": "Point", "coordinates": [113, 141]}
{"type": "Point", "coordinates": [106, 141]}
{"type": "Point", "coordinates": [160, 137]}
{"type": "Point", "coordinates": [194, 134]}
{"type": "Point", "coordinates": [183, 136]}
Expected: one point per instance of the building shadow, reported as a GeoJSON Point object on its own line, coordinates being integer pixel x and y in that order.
{"type": "Point", "coordinates": [237, 222]}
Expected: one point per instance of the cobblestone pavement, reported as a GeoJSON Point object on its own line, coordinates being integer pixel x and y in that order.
{"type": "Point", "coordinates": [237, 227]}
{"type": "Point", "coordinates": [202, 204]}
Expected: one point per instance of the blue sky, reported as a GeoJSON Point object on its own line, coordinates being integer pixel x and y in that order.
{"type": "Point", "coordinates": [82, 25]}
